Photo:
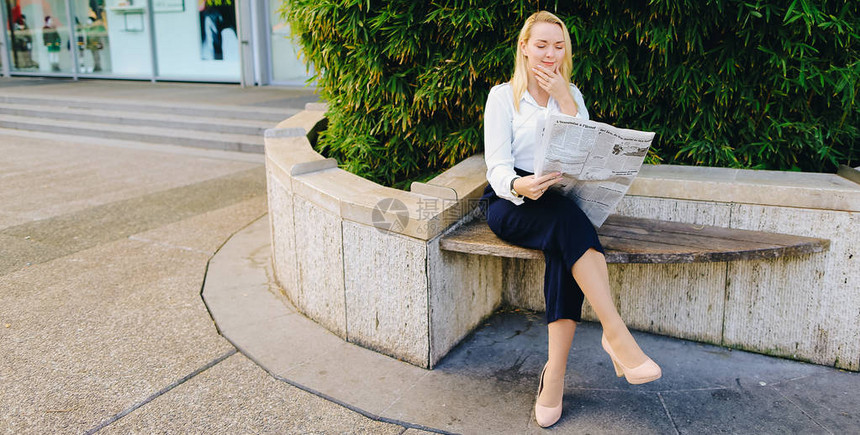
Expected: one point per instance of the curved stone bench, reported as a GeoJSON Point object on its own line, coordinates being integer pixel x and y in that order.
{"type": "Point", "coordinates": [367, 262]}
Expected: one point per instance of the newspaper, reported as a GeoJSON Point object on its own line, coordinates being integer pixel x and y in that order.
{"type": "Point", "coordinates": [598, 162]}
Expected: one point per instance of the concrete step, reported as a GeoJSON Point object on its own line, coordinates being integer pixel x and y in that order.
{"type": "Point", "coordinates": [60, 111]}
{"type": "Point", "coordinates": [7, 134]}
{"type": "Point", "coordinates": [170, 136]}
{"type": "Point", "coordinates": [197, 110]}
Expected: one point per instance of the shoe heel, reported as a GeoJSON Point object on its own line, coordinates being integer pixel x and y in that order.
{"type": "Point", "coordinates": [643, 373]}
{"type": "Point", "coordinates": [619, 371]}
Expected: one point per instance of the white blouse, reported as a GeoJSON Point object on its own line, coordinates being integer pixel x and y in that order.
{"type": "Point", "coordinates": [510, 136]}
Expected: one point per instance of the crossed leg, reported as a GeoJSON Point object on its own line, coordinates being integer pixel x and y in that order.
{"type": "Point", "coordinates": [592, 275]}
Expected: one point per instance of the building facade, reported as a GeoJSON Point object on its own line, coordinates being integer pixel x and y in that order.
{"type": "Point", "coordinates": [228, 41]}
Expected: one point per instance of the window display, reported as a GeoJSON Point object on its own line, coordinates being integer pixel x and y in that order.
{"type": "Point", "coordinates": [193, 40]}
{"type": "Point", "coordinates": [39, 36]}
{"type": "Point", "coordinates": [93, 43]}
{"type": "Point", "coordinates": [22, 42]}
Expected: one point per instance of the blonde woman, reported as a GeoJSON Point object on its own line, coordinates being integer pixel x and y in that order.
{"type": "Point", "coordinates": [521, 210]}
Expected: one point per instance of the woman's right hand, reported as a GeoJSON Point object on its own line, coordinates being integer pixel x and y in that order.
{"type": "Point", "coordinates": [534, 187]}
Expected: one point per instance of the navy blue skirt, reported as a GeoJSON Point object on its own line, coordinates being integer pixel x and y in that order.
{"type": "Point", "coordinates": [555, 225]}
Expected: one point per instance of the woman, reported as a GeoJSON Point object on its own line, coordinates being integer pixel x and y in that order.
{"type": "Point", "coordinates": [521, 210]}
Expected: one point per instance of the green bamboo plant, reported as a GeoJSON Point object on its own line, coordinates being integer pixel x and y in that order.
{"type": "Point", "coordinates": [744, 84]}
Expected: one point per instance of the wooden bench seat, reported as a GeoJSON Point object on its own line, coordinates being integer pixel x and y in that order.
{"type": "Point", "coordinates": [637, 240]}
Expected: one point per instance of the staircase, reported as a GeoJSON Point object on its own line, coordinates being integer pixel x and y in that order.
{"type": "Point", "coordinates": [222, 127]}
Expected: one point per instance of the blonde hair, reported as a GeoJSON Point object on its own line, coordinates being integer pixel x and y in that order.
{"type": "Point", "coordinates": [520, 80]}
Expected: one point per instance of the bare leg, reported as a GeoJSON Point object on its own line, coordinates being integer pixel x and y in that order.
{"type": "Point", "coordinates": [560, 335]}
{"type": "Point", "coordinates": [591, 274]}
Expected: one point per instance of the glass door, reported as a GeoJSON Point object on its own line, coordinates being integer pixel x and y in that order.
{"type": "Point", "coordinates": [287, 67]}
{"type": "Point", "coordinates": [124, 35]}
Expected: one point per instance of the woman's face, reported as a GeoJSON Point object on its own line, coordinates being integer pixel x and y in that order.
{"type": "Point", "coordinates": [545, 46]}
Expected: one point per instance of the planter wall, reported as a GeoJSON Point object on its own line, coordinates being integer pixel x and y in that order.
{"type": "Point", "coordinates": [364, 261]}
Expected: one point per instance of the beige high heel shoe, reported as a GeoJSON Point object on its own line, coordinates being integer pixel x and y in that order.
{"type": "Point", "coordinates": [643, 373]}
{"type": "Point", "coordinates": [544, 415]}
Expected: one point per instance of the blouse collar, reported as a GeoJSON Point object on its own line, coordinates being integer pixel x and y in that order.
{"type": "Point", "coordinates": [527, 97]}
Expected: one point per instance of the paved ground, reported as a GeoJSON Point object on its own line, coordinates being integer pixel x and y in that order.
{"type": "Point", "coordinates": [104, 247]}
{"type": "Point", "coordinates": [103, 251]}
{"type": "Point", "coordinates": [487, 383]}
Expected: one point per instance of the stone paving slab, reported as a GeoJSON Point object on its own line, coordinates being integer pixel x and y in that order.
{"type": "Point", "coordinates": [830, 399]}
{"type": "Point", "coordinates": [101, 326]}
{"type": "Point", "coordinates": [176, 135]}
{"type": "Point", "coordinates": [612, 412]}
{"type": "Point", "coordinates": [12, 135]}
{"type": "Point", "coordinates": [738, 410]}
{"type": "Point", "coordinates": [237, 396]}
{"type": "Point", "coordinates": [206, 232]}
{"type": "Point", "coordinates": [17, 252]}
{"type": "Point", "coordinates": [72, 232]}
{"type": "Point", "coordinates": [45, 178]}
{"type": "Point", "coordinates": [94, 332]}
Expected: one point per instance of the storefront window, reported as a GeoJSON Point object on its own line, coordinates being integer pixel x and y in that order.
{"type": "Point", "coordinates": [39, 36]}
{"type": "Point", "coordinates": [197, 42]}
{"type": "Point", "coordinates": [194, 40]}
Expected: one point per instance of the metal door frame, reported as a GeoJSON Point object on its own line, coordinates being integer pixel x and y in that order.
{"type": "Point", "coordinates": [4, 41]}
